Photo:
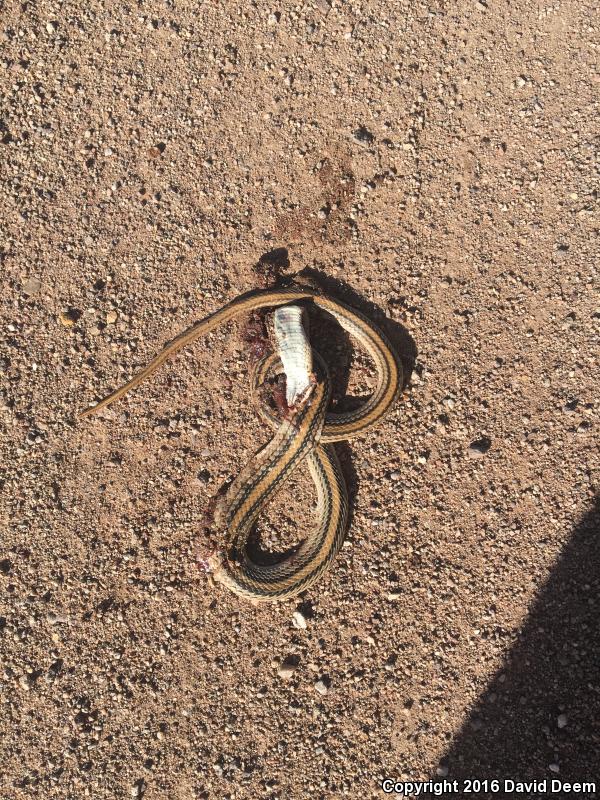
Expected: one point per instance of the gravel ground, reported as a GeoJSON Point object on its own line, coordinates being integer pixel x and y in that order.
{"type": "Point", "coordinates": [436, 164]}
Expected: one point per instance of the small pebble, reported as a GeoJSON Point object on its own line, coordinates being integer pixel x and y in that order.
{"type": "Point", "coordinates": [395, 476]}
{"type": "Point", "coordinates": [479, 447]}
{"type": "Point", "coordinates": [323, 6]}
{"type": "Point", "coordinates": [554, 768]}
{"type": "Point", "coordinates": [57, 619]}
{"type": "Point", "coordinates": [51, 27]}
{"type": "Point", "coordinates": [66, 319]}
{"type": "Point", "coordinates": [442, 771]}
{"type": "Point", "coordinates": [562, 721]}
{"type": "Point", "coordinates": [137, 790]}
{"type": "Point", "coordinates": [321, 687]}
{"type": "Point", "coordinates": [286, 670]}
{"type": "Point", "coordinates": [299, 620]}
{"type": "Point", "coordinates": [363, 136]}
{"type": "Point", "coordinates": [111, 317]}
{"type": "Point", "coordinates": [32, 286]}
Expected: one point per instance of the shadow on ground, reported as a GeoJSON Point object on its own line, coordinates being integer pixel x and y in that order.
{"type": "Point", "coordinates": [543, 708]}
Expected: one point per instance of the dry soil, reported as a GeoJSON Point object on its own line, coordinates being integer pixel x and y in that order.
{"type": "Point", "coordinates": [433, 163]}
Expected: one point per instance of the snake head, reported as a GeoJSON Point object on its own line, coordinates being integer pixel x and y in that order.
{"type": "Point", "coordinates": [209, 559]}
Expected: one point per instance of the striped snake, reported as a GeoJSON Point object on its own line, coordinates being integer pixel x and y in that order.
{"type": "Point", "coordinates": [307, 431]}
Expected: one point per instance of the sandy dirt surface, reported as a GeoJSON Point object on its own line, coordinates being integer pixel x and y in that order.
{"type": "Point", "coordinates": [434, 164]}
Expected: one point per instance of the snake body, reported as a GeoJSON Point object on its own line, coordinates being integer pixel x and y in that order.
{"type": "Point", "coordinates": [307, 433]}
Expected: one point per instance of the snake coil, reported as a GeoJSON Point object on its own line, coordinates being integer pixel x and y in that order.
{"type": "Point", "coordinates": [308, 433]}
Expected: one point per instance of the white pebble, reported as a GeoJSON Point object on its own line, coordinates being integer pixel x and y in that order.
{"type": "Point", "coordinates": [286, 671]}
{"type": "Point", "coordinates": [299, 620]}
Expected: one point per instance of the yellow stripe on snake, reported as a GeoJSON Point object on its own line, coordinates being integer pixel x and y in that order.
{"type": "Point", "coordinates": [307, 433]}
